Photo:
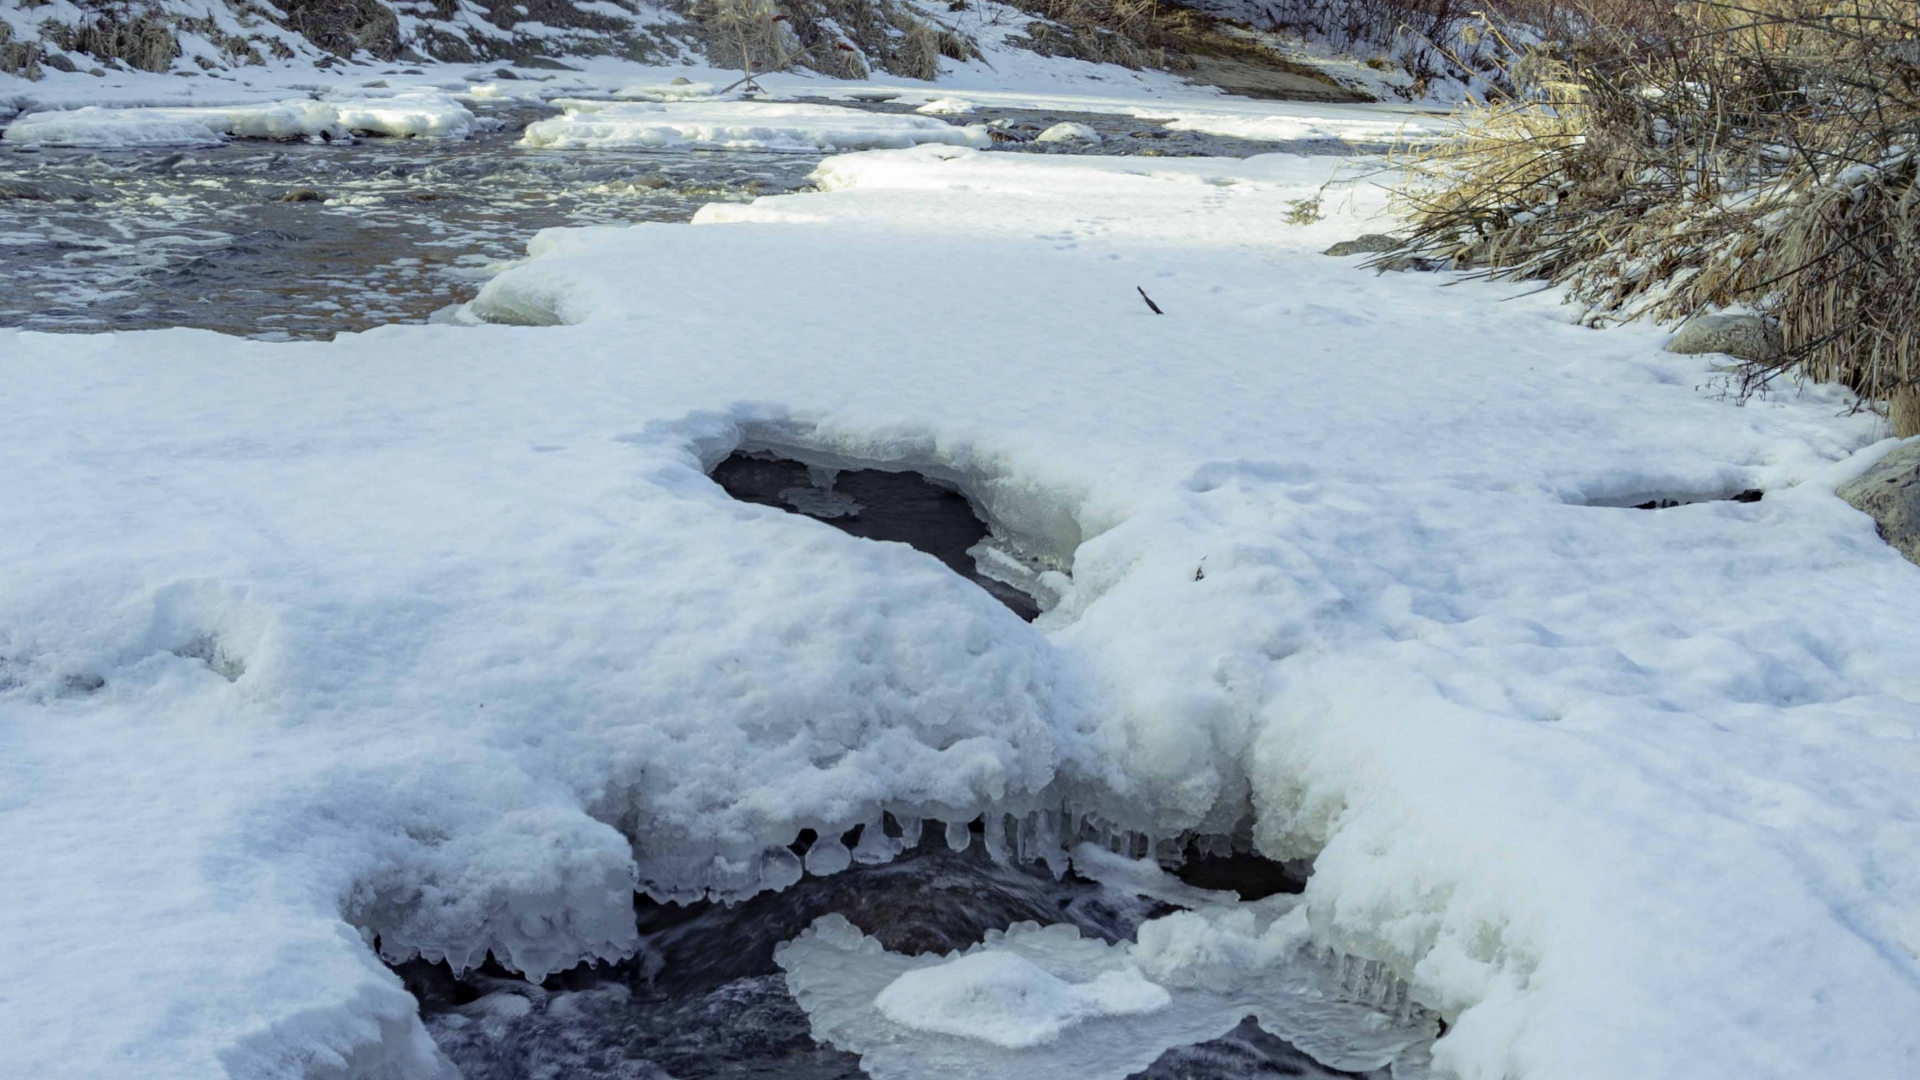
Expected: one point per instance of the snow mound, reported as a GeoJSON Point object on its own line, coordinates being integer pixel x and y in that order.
{"type": "Point", "coordinates": [682, 90]}
{"type": "Point", "coordinates": [1045, 1003]}
{"type": "Point", "coordinates": [423, 113]}
{"type": "Point", "coordinates": [1010, 1001]}
{"type": "Point", "coordinates": [1068, 131]}
{"type": "Point", "coordinates": [947, 106]}
{"type": "Point", "coordinates": [738, 125]}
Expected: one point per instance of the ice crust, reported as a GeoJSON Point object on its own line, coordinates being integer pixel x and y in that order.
{"type": "Point", "coordinates": [418, 113]}
{"type": "Point", "coordinates": [1043, 1002]}
{"type": "Point", "coordinates": [1617, 793]}
{"type": "Point", "coordinates": [738, 125]}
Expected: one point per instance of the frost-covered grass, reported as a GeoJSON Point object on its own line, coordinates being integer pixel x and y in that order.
{"type": "Point", "coordinates": [439, 633]}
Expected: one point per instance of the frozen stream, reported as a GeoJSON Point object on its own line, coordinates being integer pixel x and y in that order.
{"type": "Point", "coordinates": [291, 240]}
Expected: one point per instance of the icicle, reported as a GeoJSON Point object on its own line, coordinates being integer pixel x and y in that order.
{"type": "Point", "coordinates": [828, 856]}
{"type": "Point", "coordinates": [995, 835]}
{"type": "Point", "coordinates": [958, 837]}
{"type": "Point", "coordinates": [779, 868]}
{"type": "Point", "coordinates": [874, 846]}
{"type": "Point", "coordinates": [909, 832]}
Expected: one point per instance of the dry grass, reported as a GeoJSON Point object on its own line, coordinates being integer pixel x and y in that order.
{"type": "Point", "coordinates": [1751, 152]}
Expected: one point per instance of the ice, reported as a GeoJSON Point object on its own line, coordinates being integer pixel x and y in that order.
{"type": "Point", "coordinates": [1043, 1002]}
{"type": "Point", "coordinates": [738, 125]}
{"type": "Point", "coordinates": [1068, 131]}
{"type": "Point", "coordinates": [1010, 1001]}
{"type": "Point", "coordinates": [1614, 792]}
{"type": "Point", "coordinates": [425, 113]}
{"type": "Point", "coordinates": [948, 106]}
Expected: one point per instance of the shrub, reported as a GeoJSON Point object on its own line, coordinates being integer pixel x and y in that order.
{"type": "Point", "coordinates": [1740, 152]}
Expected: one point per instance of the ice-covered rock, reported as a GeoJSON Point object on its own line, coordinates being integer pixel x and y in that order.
{"type": "Point", "coordinates": [1068, 132]}
{"type": "Point", "coordinates": [948, 106]}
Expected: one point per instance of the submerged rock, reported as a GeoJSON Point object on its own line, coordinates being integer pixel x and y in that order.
{"type": "Point", "coordinates": [1889, 493]}
{"type": "Point", "coordinates": [1744, 337]}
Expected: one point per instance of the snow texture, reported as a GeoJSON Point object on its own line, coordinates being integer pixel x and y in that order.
{"type": "Point", "coordinates": [438, 636]}
{"type": "Point", "coordinates": [738, 125]}
{"type": "Point", "coordinates": [421, 113]}
{"type": "Point", "coordinates": [1009, 1001]}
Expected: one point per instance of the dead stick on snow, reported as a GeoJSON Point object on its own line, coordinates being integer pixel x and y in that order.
{"type": "Point", "coordinates": [1149, 300]}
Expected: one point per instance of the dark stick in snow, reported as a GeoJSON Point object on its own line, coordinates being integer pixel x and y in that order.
{"type": "Point", "coordinates": [1149, 300]}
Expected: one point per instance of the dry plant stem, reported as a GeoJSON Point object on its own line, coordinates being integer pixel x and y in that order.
{"type": "Point", "coordinates": [1759, 153]}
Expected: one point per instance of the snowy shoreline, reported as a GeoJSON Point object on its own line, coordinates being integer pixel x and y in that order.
{"type": "Point", "coordinates": [442, 634]}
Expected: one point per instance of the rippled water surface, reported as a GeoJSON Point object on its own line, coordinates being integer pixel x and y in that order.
{"type": "Point", "coordinates": [296, 240]}
{"type": "Point", "coordinates": [305, 241]}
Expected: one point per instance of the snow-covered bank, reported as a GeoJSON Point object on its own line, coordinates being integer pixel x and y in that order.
{"type": "Point", "coordinates": [441, 634]}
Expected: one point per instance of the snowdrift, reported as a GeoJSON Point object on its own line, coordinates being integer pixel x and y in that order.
{"type": "Point", "coordinates": [438, 641]}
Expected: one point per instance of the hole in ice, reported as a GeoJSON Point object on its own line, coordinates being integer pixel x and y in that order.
{"type": "Point", "coordinates": [704, 995]}
{"type": "Point", "coordinates": [907, 507]}
{"type": "Point", "coordinates": [1667, 500]}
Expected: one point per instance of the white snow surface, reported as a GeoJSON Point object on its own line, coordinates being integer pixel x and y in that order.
{"type": "Point", "coordinates": [738, 125]}
{"type": "Point", "coordinates": [439, 633]}
{"type": "Point", "coordinates": [417, 113]}
{"type": "Point", "coordinates": [1007, 1000]}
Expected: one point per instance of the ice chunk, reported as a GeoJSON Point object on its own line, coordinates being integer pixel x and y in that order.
{"type": "Point", "coordinates": [1010, 1001]}
{"type": "Point", "coordinates": [739, 125]}
{"type": "Point", "coordinates": [424, 113]}
{"type": "Point", "coordinates": [1043, 1003]}
{"type": "Point", "coordinates": [947, 106]}
{"type": "Point", "coordinates": [1068, 131]}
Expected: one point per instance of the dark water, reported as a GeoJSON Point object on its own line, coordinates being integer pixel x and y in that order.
{"type": "Point", "coordinates": [901, 506]}
{"type": "Point", "coordinates": [705, 999]}
{"type": "Point", "coordinates": [291, 240]}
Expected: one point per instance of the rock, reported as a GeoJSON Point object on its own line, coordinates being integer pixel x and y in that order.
{"type": "Point", "coordinates": [303, 195]}
{"type": "Point", "coordinates": [543, 63]}
{"type": "Point", "coordinates": [680, 80]}
{"type": "Point", "coordinates": [1068, 131]}
{"type": "Point", "coordinates": [58, 63]}
{"type": "Point", "coordinates": [1370, 244]}
{"type": "Point", "coordinates": [1744, 337]}
{"type": "Point", "coordinates": [1889, 493]}
{"type": "Point", "coordinates": [98, 73]}
{"type": "Point", "coordinates": [1400, 264]}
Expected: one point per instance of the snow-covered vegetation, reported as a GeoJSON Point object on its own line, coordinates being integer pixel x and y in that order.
{"type": "Point", "coordinates": [1753, 154]}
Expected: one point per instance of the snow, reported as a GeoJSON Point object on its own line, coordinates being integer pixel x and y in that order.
{"type": "Point", "coordinates": [738, 125]}
{"type": "Point", "coordinates": [1009, 1001]}
{"type": "Point", "coordinates": [438, 635]}
{"type": "Point", "coordinates": [1068, 131]}
{"type": "Point", "coordinates": [419, 113]}
{"type": "Point", "coordinates": [948, 106]}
